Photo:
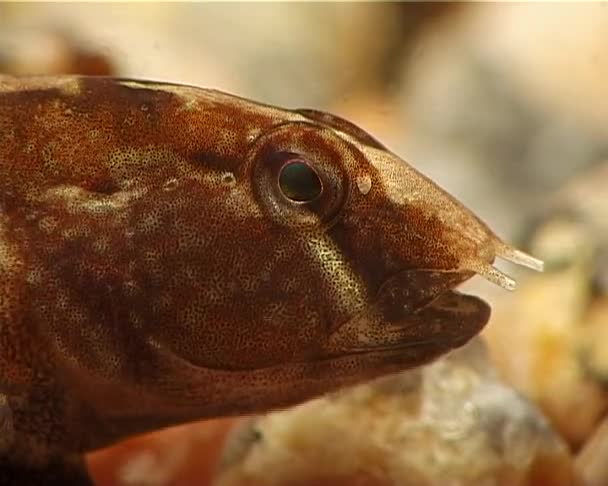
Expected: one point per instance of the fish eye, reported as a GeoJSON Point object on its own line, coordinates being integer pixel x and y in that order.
{"type": "Point", "coordinates": [299, 182]}
{"type": "Point", "coordinates": [299, 174]}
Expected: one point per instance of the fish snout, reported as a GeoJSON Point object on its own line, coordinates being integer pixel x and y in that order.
{"type": "Point", "coordinates": [439, 232]}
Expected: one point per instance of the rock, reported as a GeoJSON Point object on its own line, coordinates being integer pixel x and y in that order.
{"type": "Point", "coordinates": [452, 422]}
{"type": "Point", "coordinates": [287, 53]}
{"type": "Point", "coordinates": [184, 455]}
{"type": "Point", "coordinates": [592, 460]}
{"type": "Point", "coordinates": [550, 338]}
{"type": "Point", "coordinates": [43, 50]}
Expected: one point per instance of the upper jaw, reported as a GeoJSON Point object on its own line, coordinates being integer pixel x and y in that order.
{"type": "Point", "coordinates": [430, 314]}
{"type": "Point", "coordinates": [421, 307]}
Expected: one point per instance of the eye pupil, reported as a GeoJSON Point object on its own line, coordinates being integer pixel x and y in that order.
{"type": "Point", "coordinates": [299, 181]}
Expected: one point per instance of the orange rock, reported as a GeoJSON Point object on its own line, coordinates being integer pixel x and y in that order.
{"type": "Point", "coordinates": [184, 455]}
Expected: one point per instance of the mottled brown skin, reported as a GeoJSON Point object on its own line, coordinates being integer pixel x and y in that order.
{"type": "Point", "coordinates": [152, 272]}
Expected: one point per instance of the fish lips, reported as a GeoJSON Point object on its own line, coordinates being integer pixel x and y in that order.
{"type": "Point", "coordinates": [414, 309]}
{"type": "Point", "coordinates": [418, 311]}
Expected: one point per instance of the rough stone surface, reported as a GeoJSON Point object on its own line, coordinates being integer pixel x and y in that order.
{"type": "Point", "coordinates": [452, 423]}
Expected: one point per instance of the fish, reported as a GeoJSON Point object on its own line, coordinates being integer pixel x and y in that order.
{"type": "Point", "coordinates": [170, 253]}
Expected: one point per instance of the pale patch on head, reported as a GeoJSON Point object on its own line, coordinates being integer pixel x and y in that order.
{"type": "Point", "coordinates": [128, 162]}
{"type": "Point", "coordinates": [197, 98]}
{"type": "Point", "coordinates": [253, 134]}
{"type": "Point", "coordinates": [48, 159]}
{"type": "Point", "coordinates": [48, 224]}
{"type": "Point", "coordinates": [8, 258]}
{"type": "Point", "coordinates": [111, 204]}
{"type": "Point", "coordinates": [344, 287]}
{"type": "Point", "coordinates": [364, 184]}
{"type": "Point", "coordinates": [186, 94]}
{"type": "Point", "coordinates": [170, 184]}
{"type": "Point", "coordinates": [77, 201]}
{"type": "Point", "coordinates": [189, 105]}
{"type": "Point", "coordinates": [71, 86]}
{"type": "Point", "coordinates": [401, 184]}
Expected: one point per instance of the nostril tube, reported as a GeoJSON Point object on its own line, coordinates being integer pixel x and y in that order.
{"type": "Point", "coordinates": [519, 257]}
{"type": "Point", "coordinates": [486, 270]}
{"type": "Point", "coordinates": [491, 274]}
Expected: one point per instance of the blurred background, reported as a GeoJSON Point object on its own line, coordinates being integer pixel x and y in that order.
{"type": "Point", "coordinates": [504, 105]}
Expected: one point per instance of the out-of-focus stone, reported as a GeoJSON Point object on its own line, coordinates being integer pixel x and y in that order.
{"type": "Point", "coordinates": [594, 342]}
{"type": "Point", "coordinates": [550, 339]}
{"type": "Point", "coordinates": [592, 461]}
{"type": "Point", "coordinates": [288, 53]}
{"type": "Point", "coordinates": [181, 456]}
{"type": "Point", "coordinates": [27, 50]}
{"type": "Point", "coordinates": [451, 423]}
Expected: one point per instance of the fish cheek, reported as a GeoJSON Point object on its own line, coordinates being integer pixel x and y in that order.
{"type": "Point", "coordinates": [240, 294]}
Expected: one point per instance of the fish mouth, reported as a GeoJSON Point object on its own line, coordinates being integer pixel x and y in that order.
{"type": "Point", "coordinates": [423, 310]}
{"type": "Point", "coordinates": [399, 321]}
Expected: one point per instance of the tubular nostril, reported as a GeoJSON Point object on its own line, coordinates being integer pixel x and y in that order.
{"type": "Point", "coordinates": [485, 269]}
{"type": "Point", "coordinates": [519, 257]}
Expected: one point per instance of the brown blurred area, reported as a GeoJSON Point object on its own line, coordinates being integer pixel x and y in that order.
{"type": "Point", "coordinates": [505, 105]}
